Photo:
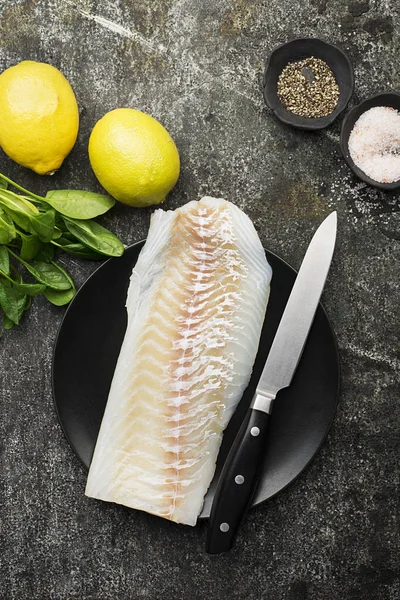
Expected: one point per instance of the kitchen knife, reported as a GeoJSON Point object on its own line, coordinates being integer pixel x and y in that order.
{"type": "Point", "coordinates": [238, 480]}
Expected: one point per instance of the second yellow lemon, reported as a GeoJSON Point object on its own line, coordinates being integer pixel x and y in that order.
{"type": "Point", "coordinates": [39, 116]}
{"type": "Point", "coordinates": [134, 157]}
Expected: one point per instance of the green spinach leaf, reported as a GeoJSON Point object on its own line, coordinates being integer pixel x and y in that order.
{"type": "Point", "coordinates": [77, 249]}
{"type": "Point", "coordinates": [30, 289]}
{"type": "Point", "coordinates": [59, 297]}
{"type": "Point", "coordinates": [57, 233]}
{"type": "Point", "coordinates": [21, 220]}
{"type": "Point", "coordinates": [79, 204]}
{"type": "Point", "coordinates": [7, 228]}
{"type": "Point", "coordinates": [17, 203]}
{"type": "Point", "coordinates": [46, 253]}
{"type": "Point", "coordinates": [48, 273]}
{"type": "Point", "coordinates": [95, 236]}
{"type": "Point", "coordinates": [43, 225]}
{"type": "Point", "coordinates": [12, 301]}
{"type": "Point", "coordinates": [4, 260]}
{"type": "Point", "coordinates": [65, 273]}
{"type": "Point", "coordinates": [7, 323]}
{"type": "Point", "coordinates": [30, 246]}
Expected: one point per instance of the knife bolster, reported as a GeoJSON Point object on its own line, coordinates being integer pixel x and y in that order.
{"type": "Point", "coordinates": [263, 402]}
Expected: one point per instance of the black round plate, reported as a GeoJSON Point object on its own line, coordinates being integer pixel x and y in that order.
{"type": "Point", "coordinates": [87, 349]}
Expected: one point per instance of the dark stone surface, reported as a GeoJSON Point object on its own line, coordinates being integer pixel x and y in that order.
{"type": "Point", "coordinates": [197, 66]}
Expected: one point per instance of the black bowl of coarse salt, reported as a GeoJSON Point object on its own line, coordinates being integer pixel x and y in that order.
{"type": "Point", "coordinates": [308, 83]}
{"type": "Point", "coordinates": [370, 140]}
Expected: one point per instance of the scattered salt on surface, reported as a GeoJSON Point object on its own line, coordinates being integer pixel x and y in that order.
{"type": "Point", "coordinates": [374, 144]}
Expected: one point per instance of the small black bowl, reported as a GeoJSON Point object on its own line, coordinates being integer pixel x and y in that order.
{"type": "Point", "coordinates": [296, 50]}
{"type": "Point", "coordinates": [385, 99]}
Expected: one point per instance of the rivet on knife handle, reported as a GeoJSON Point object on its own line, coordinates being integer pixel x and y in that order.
{"type": "Point", "coordinates": [238, 480]}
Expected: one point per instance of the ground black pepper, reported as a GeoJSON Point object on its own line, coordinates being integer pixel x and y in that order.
{"type": "Point", "coordinates": [308, 88]}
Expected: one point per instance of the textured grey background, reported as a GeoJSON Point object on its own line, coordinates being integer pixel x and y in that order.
{"type": "Point", "coordinates": [197, 66]}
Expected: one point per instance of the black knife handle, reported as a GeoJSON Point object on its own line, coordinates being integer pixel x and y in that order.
{"type": "Point", "coordinates": [237, 483]}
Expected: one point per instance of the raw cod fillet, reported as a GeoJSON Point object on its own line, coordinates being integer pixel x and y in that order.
{"type": "Point", "coordinates": [196, 305]}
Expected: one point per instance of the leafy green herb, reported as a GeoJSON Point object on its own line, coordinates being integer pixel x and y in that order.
{"type": "Point", "coordinates": [18, 209]}
{"type": "Point", "coordinates": [30, 289]}
{"type": "Point", "coordinates": [34, 230]}
{"type": "Point", "coordinates": [7, 323]}
{"type": "Point", "coordinates": [50, 274]}
{"type": "Point", "coordinates": [43, 225]}
{"type": "Point", "coordinates": [4, 260]}
{"type": "Point", "coordinates": [7, 228]}
{"type": "Point", "coordinates": [79, 204]}
{"type": "Point", "coordinates": [95, 236]}
{"type": "Point", "coordinates": [53, 275]}
{"type": "Point", "coordinates": [30, 246]}
{"type": "Point", "coordinates": [46, 253]}
{"type": "Point", "coordinates": [77, 249]}
{"type": "Point", "coordinates": [17, 204]}
{"type": "Point", "coordinates": [28, 216]}
{"type": "Point", "coordinates": [12, 301]}
{"type": "Point", "coordinates": [59, 298]}
{"type": "Point", "coordinates": [57, 233]}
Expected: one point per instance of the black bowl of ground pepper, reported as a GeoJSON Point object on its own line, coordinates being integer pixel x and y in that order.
{"type": "Point", "coordinates": [328, 99]}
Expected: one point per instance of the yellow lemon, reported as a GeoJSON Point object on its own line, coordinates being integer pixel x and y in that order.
{"type": "Point", "coordinates": [134, 157]}
{"type": "Point", "coordinates": [39, 116]}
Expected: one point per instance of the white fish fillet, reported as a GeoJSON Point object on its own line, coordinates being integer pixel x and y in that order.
{"type": "Point", "coordinates": [196, 304]}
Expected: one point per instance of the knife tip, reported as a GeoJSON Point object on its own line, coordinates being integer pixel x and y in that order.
{"type": "Point", "coordinates": [332, 217]}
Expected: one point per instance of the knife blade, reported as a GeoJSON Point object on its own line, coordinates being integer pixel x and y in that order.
{"type": "Point", "coordinates": [240, 474]}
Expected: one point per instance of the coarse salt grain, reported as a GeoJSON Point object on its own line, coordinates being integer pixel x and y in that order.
{"type": "Point", "coordinates": [374, 144]}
